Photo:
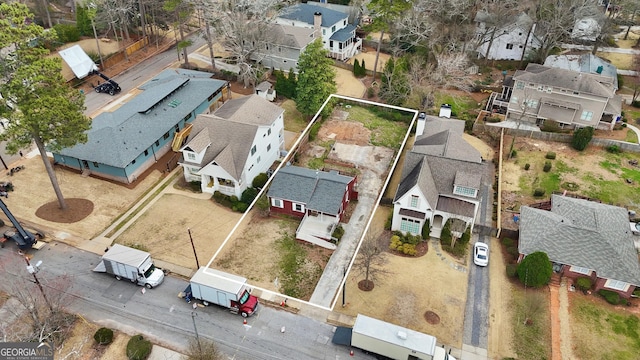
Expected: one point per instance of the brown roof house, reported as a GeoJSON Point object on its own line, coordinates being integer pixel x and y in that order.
{"type": "Point", "coordinates": [228, 148]}
{"type": "Point", "coordinates": [584, 239]}
{"type": "Point", "coordinates": [441, 178]}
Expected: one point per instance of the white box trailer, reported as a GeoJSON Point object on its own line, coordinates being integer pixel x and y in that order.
{"type": "Point", "coordinates": [389, 340]}
{"type": "Point", "coordinates": [128, 263]}
{"type": "Point", "coordinates": [218, 287]}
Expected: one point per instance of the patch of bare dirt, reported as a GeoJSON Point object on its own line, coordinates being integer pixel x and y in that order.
{"type": "Point", "coordinates": [501, 329]}
{"type": "Point", "coordinates": [77, 209]}
{"type": "Point", "coordinates": [348, 132]}
{"type": "Point", "coordinates": [432, 318]}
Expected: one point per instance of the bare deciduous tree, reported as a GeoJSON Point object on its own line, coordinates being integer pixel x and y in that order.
{"type": "Point", "coordinates": [371, 259]}
{"type": "Point", "coordinates": [243, 26]}
{"type": "Point", "coordinates": [41, 319]}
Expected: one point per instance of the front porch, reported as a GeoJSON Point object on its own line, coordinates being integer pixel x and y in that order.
{"type": "Point", "coordinates": [211, 184]}
{"type": "Point", "coordinates": [317, 230]}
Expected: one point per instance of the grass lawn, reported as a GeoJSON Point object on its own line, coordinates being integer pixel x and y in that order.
{"type": "Point", "coordinates": [459, 104]}
{"type": "Point", "coordinates": [293, 119]}
{"type": "Point", "coordinates": [531, 322]}
{"type": "Point", "coordinates": [384, 132]}
{"type": "Point", "coordinates": [621, 61]}
{"type": "Point", "coordinates": [632, 115]}
{"type": "Point", "coordinates": [595, 174]}
{"type": "Point", "coordinates": [631, 137]}
{"type": "Point", "coordinates": [599, 331]}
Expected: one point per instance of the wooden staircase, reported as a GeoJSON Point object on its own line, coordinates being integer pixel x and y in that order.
{"type": "Point", "coordinates": [555, 280]}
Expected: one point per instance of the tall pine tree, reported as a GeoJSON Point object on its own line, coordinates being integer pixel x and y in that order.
{"type": "Point", "coordinates": [42, 109]}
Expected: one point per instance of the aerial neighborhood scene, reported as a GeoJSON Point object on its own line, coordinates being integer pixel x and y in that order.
{"type": "Point", "coordinates": [331, 179]}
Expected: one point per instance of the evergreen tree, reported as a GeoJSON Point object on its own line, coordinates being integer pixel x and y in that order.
{"type": "Point", "coordinates": [356, 68]}
{"type": "Point", "coordinates": [363, 69]}
{"type": "Point", "coordinates": [581, 138]}
{"type": "Point", "coordinates": [292, 84]}
{"type": "Point", "coordinates": [395, 87]}
{"type": "Point", "coordinates": [42, 108]}
{"type": "Point", "coordinates": [316, 79]}
{"type": "Point", "coordinates": [281, 84]}
{"type": "Point", "coordinates": [83, 23]}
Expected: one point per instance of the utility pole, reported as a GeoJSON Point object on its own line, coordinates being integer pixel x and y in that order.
{"type": "Point", "coordinates": [344, 286]}
{"type": "Point", "coordinates": [193, 317]}
{"type": "Point", "coordinates": [33, 270]}
{"type": "Point", "coordinates": [194, 248]}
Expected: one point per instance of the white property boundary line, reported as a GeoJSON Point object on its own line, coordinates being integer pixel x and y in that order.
{"type": "Point", "coordinates": [287, 159]}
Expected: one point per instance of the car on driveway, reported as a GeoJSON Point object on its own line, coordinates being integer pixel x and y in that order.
{"type": "Point", "coordinates": [481, 254]}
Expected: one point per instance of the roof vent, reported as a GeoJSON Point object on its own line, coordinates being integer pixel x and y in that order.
{"type": "Point", "coordinates": [402, 335]}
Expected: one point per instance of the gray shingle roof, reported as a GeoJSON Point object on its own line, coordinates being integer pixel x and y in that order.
{"type": "Point", "coordinates": [319, 190]}
{"type": "Point", "coordinates": [582, 233]}
{"type": "Point", "coordinates": [567, 79]}
{"type": "Point", "coordinates": [435, 173]}
{"type": "Point", "coordinates": [250, 109]}
{"type": "Point", "coordinates": [117, 138]}
{"type": "Point", "coordinates": [229, 137]}
{"type": "Point", "coordinates": [586, 63]}
{"type": "Point", "coordinates": [344, 34]}
{"type": "Point", "coordinates": [292, 36]}
{"type": "Point", "coordinates": [304, 13]}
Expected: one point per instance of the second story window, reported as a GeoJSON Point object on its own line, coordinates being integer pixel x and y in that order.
{"type": "Point", "coordinates": [415, 201]}
{"type": "Point", "coordinates": [191, 156]}
{"type": "Point", "coordinates": [253, 150]}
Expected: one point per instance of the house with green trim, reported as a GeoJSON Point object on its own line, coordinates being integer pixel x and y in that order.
{"type": "Point", "coordinates": [124, 143]}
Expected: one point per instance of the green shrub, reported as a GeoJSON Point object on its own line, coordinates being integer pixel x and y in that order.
{"type": "Point", "coordinates": [535, 270]}
{"type": "Point", "coordinates": [67, 33]}
{"type": "Point", "coordinates": [512, 270]}
{"type": "Point", "coordinates": [259, 181]}
{"type": "Point", "coordinates": [104, 336]}
{"type": "Point", "coordinates": [538, 192]}
{"type": "Point", "coordinates": [138, 348]}
{"type": "Point", "coordinates": [248, 195]}
{"type": "Point", "coordinates": [550, 155]}
{"type": "Point", "coordinates": [426, 230]}
{"type": "Point", "coordinates": [550, 126]}
{"type": "Point", "coordinates": [547, 166]}
{"type": "Point", "coordinates": [313, 132]}
{"type": "Point", "coordinates": [635, 103]}
{"type": "Point", "coordinates": [233, 199]}
{"type": "Point", "coordinates": [240, 207]}
{"type": "Point", "coordinates": [387, 224]}
{"type": "Point", "coordinates": [636, 292]}
{"type": "Point", "coordinates": [581, 138]}
{"type": "Point", "coordinates": [583, 283]}
{"type": "Point", "coordinates": [527, 166]}
{"type": "Point", "coordinates": [411, 239]}
{"type": "Point", "coordinates": [395, 242]}
{"type": "Point", "coordinates": [612, 297]}
{"type": "Point", "coordinates": [338, 232]}
{"type": "Point", "coordinates": [445, 235]}
{"type": "Point", "coordinates": [409, 249]}
{"type": "Point", "coordinates": [356, 68]}
{"type": "Point", "coordinates": [614, 149]}
{"type": "Point", "coordinates": [514, 153]}
{"type": "Point", "coordinates": [195, 186]}
{"type": "Point", "coordinates": [513, 251]}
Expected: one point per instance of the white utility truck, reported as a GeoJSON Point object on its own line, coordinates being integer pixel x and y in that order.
{"type": "Point", "coordinates": [128, 263]}
{"type": "Point", "coordinates": [389, 341]}
{"type": "Point", "coordinates": [217, 287]}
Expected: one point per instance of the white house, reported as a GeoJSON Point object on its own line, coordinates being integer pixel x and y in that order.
{"type": "Point", "coordinates": [441, 179]}
{"type": "Point", "coordinates": [509, 42]}
{"type": "Point", "coordinates": [227, 149]}
{"type": "Point", "coordinates": [338, 35]}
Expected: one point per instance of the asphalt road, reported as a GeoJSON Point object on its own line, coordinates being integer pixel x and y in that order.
{"type": "Point", "coordinates": [160, 315]}
{"type": "Point", "coordinates": [138, 74]}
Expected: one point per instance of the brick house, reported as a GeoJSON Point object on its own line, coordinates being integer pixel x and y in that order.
{"type": "Point", "coordinates": [583, 239]}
